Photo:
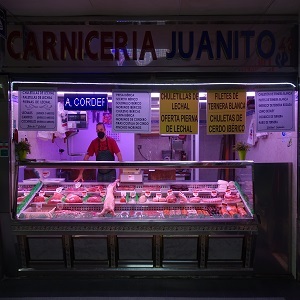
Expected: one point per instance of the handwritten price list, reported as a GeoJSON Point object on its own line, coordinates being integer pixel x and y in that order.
{"type": "Point", "coordinates": [274, 110]}
{"type": "Point", "coordinates": [37, 110]}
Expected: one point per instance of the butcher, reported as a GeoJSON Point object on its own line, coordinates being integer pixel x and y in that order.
{"type": "Point", "coordinates": [105, 148]}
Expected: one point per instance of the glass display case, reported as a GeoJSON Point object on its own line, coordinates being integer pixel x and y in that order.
{"type": "Point", "coordinates": [135, 226]}
{"type": "Point", "coordinates": [135, 198]}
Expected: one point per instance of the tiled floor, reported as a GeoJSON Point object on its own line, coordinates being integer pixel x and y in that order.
{"type": "Point", "coordinates": [277, 288]}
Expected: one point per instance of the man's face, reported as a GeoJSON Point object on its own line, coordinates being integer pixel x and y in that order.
{"type": "Point", "coordinates": [100, 128]}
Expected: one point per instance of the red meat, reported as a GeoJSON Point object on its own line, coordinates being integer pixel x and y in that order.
{"type": "Point", "coordinates": [72, 198]}
{"type": "Point", "coordinates": [171, 198]}
{"type": "Point", "coordinates": [20, 199]}
{"type": "Point", "coordinates": [94, 199]}
{"type": "Point", "coordinates": [194, 200]}
{"type": "Point", "coordinates": [39, 199]}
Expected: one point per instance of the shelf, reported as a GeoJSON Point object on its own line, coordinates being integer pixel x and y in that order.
{"type": "Point", "coordinates": [225, 164]}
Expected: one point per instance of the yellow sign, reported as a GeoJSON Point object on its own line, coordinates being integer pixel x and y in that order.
{"type": "Point", "coordinates": [179, 112]}
{"type": "Point", "coordinates": [226, 112]}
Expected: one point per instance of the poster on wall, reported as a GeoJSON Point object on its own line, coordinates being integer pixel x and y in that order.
{"type": "Point", "coordinates": [107, 118]}
{"type": "Point", "coordinates": [179, 112]}
{"type": "Point", "coordinates": [274, 111]}
{"type": "Point", "coordinates": [37, 109]}
{"type": "Point", "coordinates": [226, 112]}
{"type": "Point", "coordinates": [131, 111]}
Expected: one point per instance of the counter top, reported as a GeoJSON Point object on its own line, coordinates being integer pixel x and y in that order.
{"type": "Point", "coordinates": [140, 164]}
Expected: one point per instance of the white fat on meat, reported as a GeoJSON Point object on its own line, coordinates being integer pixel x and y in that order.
{"type": "Point", "coordinates": [109, 202]}
{"type": "Point", "coordinates": [182, 198]}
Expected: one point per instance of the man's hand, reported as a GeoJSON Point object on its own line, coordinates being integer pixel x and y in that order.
{"type": "Point", "coordinates": [79, 178]}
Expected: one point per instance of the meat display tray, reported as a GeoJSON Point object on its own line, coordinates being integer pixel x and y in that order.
{"type": "Point", "coordinates": [38, 212]}
{"type": "Point", "coordinates": [201, 200]}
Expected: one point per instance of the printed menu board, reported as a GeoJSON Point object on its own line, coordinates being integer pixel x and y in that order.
{"type": "Point", "coordinates": [179, 112]}
{"type": "Point", "coordinates": [37, 109]}
{"type": "Point", "coordinates": [226, 112]}
{"type": "Point", "coordinates": [131, 111]}
{"type": "Point", "coordinates": [274, 111]}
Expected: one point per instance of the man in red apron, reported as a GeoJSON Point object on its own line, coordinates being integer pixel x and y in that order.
{"type": "Point", "coordinates": [105, 148]}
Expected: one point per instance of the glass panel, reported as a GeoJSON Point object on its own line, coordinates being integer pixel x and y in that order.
{"type": "Point", "coordinates": [133, 197]}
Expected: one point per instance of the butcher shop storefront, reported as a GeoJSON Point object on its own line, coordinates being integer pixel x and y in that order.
{"type": "Point", "coordinates": [180, 99]}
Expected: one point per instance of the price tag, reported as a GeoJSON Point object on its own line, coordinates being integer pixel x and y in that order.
{"type": "Point", "coordinates": [45, 174]}
{"type": "Point", "coordinates": [131, 177]}
{"type": "Point", "coordinates": [181, 194]}
{"type": "Point", "coordinates": [59, 189]}
{"type": "Point", "coordinates": [169, 192]}
{"type": "Point", "coordinates": [77, 185]}
{"type": "Point", "coordinates": [227, 193]}
{"type": "Point", "coordinates": [214, 193]}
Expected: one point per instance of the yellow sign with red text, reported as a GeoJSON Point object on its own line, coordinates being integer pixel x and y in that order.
{"type": "Point", "coordinates": [179, 112]}
{"type": "Point", "coordinates": [226, 112]}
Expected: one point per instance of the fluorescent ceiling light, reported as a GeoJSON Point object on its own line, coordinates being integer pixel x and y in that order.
{"type": "Point", "coordinates": [176, 84]}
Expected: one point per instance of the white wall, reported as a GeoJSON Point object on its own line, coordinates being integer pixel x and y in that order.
{"type": "Point", "coordinates": [78, 143]}
{"type": "Point", "coordinates": [277, 148]}
{"type": "Point", "coordinates": [48, 149]}
{"type": "Point", "coordinates": [274, 147]}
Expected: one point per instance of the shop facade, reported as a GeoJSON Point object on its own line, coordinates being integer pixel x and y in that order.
{"type": "Point", "coordinates": [148, 60]}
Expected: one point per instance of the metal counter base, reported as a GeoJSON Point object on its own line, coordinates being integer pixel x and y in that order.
{"type": "Point", "coordinates": [135, 248]}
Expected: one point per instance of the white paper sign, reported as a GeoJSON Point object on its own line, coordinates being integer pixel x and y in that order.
{"type": "Point", "coordinates": [131, 111]}
{"type": "Point", "coordinates": [37, 109]}
{"type": "Point", "coordinates": [274, 111]}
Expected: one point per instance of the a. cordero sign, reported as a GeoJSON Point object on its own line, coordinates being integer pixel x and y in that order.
{"type": "Point", "coordinates": [85, 102]}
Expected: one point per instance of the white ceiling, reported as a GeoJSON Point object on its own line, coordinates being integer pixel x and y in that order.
{"type": "Point", "coordinates": [129, 8]}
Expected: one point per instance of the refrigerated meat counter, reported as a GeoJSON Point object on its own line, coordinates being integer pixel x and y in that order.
{"type": "Point", "coordinates": [162, 200]}
{"type": "Point", "coordinates": [156, 227]}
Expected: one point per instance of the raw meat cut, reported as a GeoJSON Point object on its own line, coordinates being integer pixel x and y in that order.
{"type": "Point", "coordinates": [142, 199]}
{"type": "Point", "coordinates": [72, 198]}
{"type": "Point", "coordinates": [56, 198]}
{"type": "Point", "coordinates": [109, 202]}
{"type": "Point", "coordinates": [20, 199]}
{"type": "Point", "coordinates": [39, 199]}
{"type": "Point", "coordinates": [171, 198]}
{"type": "Point", "coordinates": [194, 200]}
{"type": "Point", "coordinates": [182, 198]}
{"type": "Point", "coordinates": [94, 199]}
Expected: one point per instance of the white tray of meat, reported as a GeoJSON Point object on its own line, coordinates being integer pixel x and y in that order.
{"type": "Point", "coordinates": [35, 212]}
{"type": "Point", "coordinates": [55, 198]}
{"type": "Point", "coordinates": [73, 198]}
{"type": "Point", "coordinates": [95, 189]}
{"type": "Point", "coordinates": [93, 200]}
